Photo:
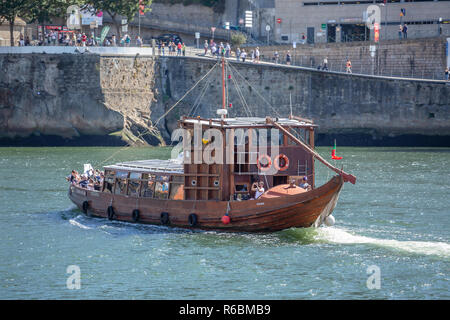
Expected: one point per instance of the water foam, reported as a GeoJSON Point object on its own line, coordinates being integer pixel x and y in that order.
{"type": "Point", "coordinates": [336, 235]}
{"type": "Point", "coordinates": [74, 222]}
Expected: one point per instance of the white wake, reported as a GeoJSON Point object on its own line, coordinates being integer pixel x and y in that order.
{"type": "Point", "coordinates": [336, 235]}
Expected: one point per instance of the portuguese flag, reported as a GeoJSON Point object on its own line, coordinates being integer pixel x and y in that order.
{"type": "Point", "coordinates": [333, 153]}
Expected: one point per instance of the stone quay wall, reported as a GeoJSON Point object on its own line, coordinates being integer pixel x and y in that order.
{"type": "Point", "coordinates": [90, 99]}
{"type": "Point", "coordinates": [419, 58]}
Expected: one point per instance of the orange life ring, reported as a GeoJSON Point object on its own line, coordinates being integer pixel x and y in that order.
{"type": "Point", "coordinates": [277, 160]}
{"type": "Point", "coordinates": [268, 160]}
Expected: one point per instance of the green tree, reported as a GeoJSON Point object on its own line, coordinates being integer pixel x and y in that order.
{"type": "Point", "coordinates": [33, 10]}
{"type": "Point", "coordinates": [238, 39]}
{"type": "Point", "coordinates": [120, 8]}
{"type": "Point", "coordinates": [11, 9]}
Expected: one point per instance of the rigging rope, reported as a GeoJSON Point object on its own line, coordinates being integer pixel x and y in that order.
{"type": "Point", "coordinates": [152, 127]}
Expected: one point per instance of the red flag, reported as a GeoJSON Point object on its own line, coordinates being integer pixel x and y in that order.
{"type": "Point", "coordinates": [333, 153]}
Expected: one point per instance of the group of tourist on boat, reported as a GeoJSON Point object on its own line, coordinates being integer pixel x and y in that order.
{"type": "Point", "coordinates": [91, 179]}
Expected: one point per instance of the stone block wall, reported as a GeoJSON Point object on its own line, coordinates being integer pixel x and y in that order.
{"type": "Point", "coordinates": [420, 58]}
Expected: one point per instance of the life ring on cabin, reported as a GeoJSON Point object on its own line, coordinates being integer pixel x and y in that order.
{"type": "Point", "coordinates": [164, 218]}
{"type": "Point", "coordinates": [135, 215]}
{"type": "Point", "coordinates": [281, 162]}
{"type": "Point", "coordinates": [85, 206]}
{"type": "Point", "coordinates": [110, 212]}
{"type": "Point", "coordinates": [192, 219]}
{"type": "Point", "coordinates": [268, 161]}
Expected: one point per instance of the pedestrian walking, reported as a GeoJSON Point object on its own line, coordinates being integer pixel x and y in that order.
{"type": "Point", "coordinates": [348, 66]}
{"type": "Point", "coordinates": [276, 57]}
{"type": "Point", "coordinates": [400, 32]}
{"type": "Point", "coordinates": [243, 55]}
{"type": "Point", "coordinates": [257, 55]}
{"type": "Point", "coordinates": [162, 48]}
{"type": "Point", "coordinates": [205, 46]}
{"type": "Point", "coordinates": [227, 50]}
{"type": "Point", "coordinates": [183, 49]}
{"type": "Point", "coordinates": [405, 31]}
{"type": "Point", "coordinates": [325, 64]}
{"type": "Point", "coordinates": [138, 41]}
{"type": "Point", "coordinates": [288, 58]}
{"type": "Point", "coordinates": [446, 72]}
{"type": "Point", "coordinates": [238, 54]}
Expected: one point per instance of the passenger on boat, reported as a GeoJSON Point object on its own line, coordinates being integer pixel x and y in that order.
{"type": "Point", "coordinates": [72, 178]}
{"type": "Point", "coordinates": [258, 188]}
{"type": "Point", "coordinates": [305, 184]}
{"type": "Point", "coordinates": [84, 181]}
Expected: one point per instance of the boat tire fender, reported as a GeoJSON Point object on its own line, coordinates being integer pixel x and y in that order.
{"type": "Point", "coordinates": [110, 212]}
{"type": "Point", "coordinates": [193, 219]}
{"type": "Point", "coordinates": [85, 206]}
{"type": "Point", "coordinates": [135, 215]}
{"type": "Point", "coordinates": [164, 218]}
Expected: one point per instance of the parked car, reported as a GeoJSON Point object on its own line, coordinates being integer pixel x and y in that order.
{"type": "Point", "coordinates": [167, 37]}
{"type": "Point", "coordinates": [237, 28]}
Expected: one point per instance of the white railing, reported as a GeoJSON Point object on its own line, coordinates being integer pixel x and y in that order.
{"type": "Point", "coordinates": [76, 50]}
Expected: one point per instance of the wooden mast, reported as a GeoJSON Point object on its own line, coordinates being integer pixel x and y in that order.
{"type": "Point", "coordinates": [223, 84]}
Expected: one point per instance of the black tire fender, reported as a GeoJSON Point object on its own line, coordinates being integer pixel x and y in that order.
{"type": "Point", "coordinates": [85, 206]}
{"type": "Point", "coordinates": [110, 212]}
{"type": "Point", "coordinates": [135, 215]}
{"type": "Point", "coordinates": [193, 219]}
{"type": "Point", "coordinates": [164, 218]}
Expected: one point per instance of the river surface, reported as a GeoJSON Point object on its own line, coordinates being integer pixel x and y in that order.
{"type": "Point", "coordinates": [391, 239]}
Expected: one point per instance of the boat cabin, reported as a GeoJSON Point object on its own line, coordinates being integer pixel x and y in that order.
{"type": "Point", "coordinates": [244, 150]}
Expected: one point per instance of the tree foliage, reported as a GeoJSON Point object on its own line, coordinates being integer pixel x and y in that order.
{"type": "Point", "coordinates": [33, 10]}
{"type": "Point", "coordinates": [120, 8]}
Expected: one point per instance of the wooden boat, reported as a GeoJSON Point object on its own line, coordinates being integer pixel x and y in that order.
{"type": "Point", "coordinates": [218, 195]}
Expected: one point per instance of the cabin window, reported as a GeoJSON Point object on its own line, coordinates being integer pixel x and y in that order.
{"type": "Point", "coordinates": [134, 184]}
{"type": "Point", "coordinates": [109, 181]}
{"type": "Point", "coordinates": [241, 188]}
{"type": "Point", "coordinates": [148, 185]}
{"type": "Point", "coordinates": [162, 187]}
{"type": "Point", "coordinates": [176, 188]}
{"type": "Point", "coordinates": [121, 186]}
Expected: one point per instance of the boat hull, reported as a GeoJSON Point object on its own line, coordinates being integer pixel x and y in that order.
{"type": "Point", "coordinates": [266, 215]}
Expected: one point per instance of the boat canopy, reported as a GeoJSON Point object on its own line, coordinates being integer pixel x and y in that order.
{"type": "Point", "coordinates": [249, 122]}
{"type": "Point", "coordinates": [153, 166]}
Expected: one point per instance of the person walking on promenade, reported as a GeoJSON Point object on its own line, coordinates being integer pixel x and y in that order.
{"type": "Point", "coordinates": [325, 64]}
{"type": "Point", "coordinates": [183, 49]}
{"type": "Point", "coordinates": [179, 49]}
{"type": "Point", "coordinates": [238, 54]}
{"type": "Point", "coordinates": [288, 58]}
{"type": "Point", "coordinates": [348, 66]}
{"type": "Point", "coordinates": [400, 32]}
{"type": "Point", "coordinates": [243, 55]}
{"type": "Point", "coordinates": [276, 57]}
{"type": "Point", "coordinates": [446, 72]}
{"type": "Point", "coordinates": [257, 55]}
{"type": "Point", "coordinates": [205, 46]}
{"type": "Point", "coordinates": [405, 31]}
{"type": "Point", "coordinates": [227, 50]}
{"type": "Point", "coordinates": [163, 48]}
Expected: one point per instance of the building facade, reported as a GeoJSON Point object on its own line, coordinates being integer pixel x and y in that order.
{"type": "Point", "coordinates": [321, 21]}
